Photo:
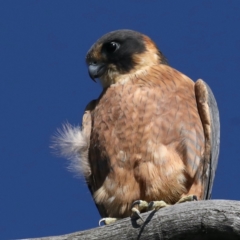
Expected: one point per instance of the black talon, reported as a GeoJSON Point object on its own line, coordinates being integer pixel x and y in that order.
{"type": "Point", "coordinates": [150, 205]}
{"type": "Point", "coordinates": [137, 215]}
{"type": "Point", "coordinates": [137, 202]}
{"type": "Point", "coordinates": [195, 198]}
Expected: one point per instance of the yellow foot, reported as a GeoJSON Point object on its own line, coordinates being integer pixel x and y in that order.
{"type": "Point", "coordinates": [140, 205]}
{"type": "Point", "coordinates": [137, 207]}
{"type": "Point", "coordinates": [156, 205]}
{"type": "Point", "coordinates": [188, 198]}
{"type": "Point", "coordinates": [107, 221]}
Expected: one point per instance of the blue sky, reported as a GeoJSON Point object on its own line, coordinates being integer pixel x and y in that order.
{"type": "Point", "coordinates": [44, 82]}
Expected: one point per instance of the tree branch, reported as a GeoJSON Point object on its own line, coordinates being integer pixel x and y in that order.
{"type": "Point", "coordinates": [202, 220]}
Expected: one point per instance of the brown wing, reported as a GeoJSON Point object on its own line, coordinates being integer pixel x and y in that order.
{"type": "Point", "coordinates": [87, 128]}
{"type": "Point", "coordinates": [208, 111]}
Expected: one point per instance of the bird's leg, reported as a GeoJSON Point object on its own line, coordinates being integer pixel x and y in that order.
{"type": "Point", "coordinates": [187, 198]}
{"type": "Point", "coordinates": [137, 207]}
{"type": "Point", "coordinates": [107, 220]}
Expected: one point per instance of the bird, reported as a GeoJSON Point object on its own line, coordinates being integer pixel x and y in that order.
{"type": "Point", "coordinates": [151, 138]}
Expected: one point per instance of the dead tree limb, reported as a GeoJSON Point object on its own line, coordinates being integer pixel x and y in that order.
{"type": "Point", "coordinates": [202, 220]}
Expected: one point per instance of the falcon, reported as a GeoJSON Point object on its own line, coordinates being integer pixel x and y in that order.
{"type": "Point", "coordinates": [151, 139]}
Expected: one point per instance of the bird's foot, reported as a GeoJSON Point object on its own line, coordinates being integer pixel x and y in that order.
{"type": "Point", "coordinates": [137, 207]}
{"type": "Point", "coordinates": [188, 198]}
{"type": "Point", "coordinates": [141, 205]}
{"type": "Point", "coordinates": [156, 205]}
{"type": "Point", "coordinates": [107, 220]}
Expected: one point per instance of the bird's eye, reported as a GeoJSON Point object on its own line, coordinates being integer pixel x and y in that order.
{"type": "Point", "coordinates": [112, 47]}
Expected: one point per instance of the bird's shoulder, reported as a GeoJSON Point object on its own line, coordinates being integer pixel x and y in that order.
{"type": "Point", "coordinates": [154, 89]}
{"type": "Point", "coordinates": [157, 79]}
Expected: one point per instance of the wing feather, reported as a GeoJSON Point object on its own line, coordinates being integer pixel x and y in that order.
{"type": "Point", "coordinates": [209, 114]}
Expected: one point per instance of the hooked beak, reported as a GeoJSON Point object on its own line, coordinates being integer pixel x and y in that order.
{"type": "Point", "coordinates": [96, 70]}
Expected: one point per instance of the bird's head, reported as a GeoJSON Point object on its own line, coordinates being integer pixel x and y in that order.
{"type": "Point", "coordinates": [121, 53]}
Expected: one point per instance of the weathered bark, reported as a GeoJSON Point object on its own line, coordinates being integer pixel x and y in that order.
{"type": "Point", "coordinates": [202, 220]}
